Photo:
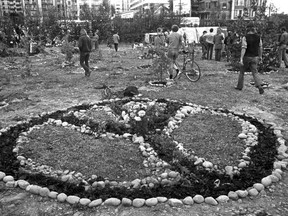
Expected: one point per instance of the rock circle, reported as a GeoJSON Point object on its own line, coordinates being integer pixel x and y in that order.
{"type": "Point", "coordinates": [163, 182]}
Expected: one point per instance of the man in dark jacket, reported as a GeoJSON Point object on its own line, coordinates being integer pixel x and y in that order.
{"type": "Point", "coordinates": [85, 47]}
{"type": "Point", "coordinates": [251, 54]}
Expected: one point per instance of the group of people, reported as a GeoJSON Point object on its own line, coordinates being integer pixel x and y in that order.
{"type": "Point", "coordinates": [210, 41]}
{"type": "Point", "coordinates": [251, 49]}
{"type": "Point", "coordinates": [86, 44]}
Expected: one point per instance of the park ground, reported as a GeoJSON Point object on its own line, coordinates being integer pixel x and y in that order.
{"type": "Point", "coordinates": [50, 87]}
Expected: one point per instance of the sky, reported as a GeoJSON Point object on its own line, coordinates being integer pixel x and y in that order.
{"type": "Point", "coordinates": [281, 5]}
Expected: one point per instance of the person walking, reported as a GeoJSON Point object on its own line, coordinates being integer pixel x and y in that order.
{"type": "Point", "coordinates": [218, 44]}
{"type": "Point", "coordinates": [283, 42]}
{"type": "Point", "coordinates": [95, 40]}
{"type": "Point", "coordinates": [85, 47]}
{"type": "Point", "coordinates": [210, 43]}
{"type": "Point", "coordinates": [251, 54]}
{"type": "Point", "coordinates": [175, 42]}
{"type": "Point", "coordinates": [116, 40]}
{"type": "Point", "coordinates": [204, 45]}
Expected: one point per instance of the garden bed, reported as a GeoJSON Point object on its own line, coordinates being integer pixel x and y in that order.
{"type": "Point", "coordinates": [175, 170]}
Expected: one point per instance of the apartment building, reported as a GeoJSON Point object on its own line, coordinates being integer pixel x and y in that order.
{"type": "Point", "coordinates": [10, 6]}
{"type": "Point", "coordinates": [224, 9]}
{"type": "Point", "coordinates": [147, 4]}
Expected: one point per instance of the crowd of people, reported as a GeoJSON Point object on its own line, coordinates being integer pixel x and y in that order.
{"type": "Point", "coordinates": [250, 44]}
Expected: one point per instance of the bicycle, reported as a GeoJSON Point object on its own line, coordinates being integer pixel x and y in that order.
{"type": "Point", "coordinates": [189, 67]}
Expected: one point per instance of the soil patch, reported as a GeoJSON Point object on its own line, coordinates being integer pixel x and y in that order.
{"type": "Point", "coordinates": [212, 137]}
{"type": "Point", "coordinates": [66, 149]}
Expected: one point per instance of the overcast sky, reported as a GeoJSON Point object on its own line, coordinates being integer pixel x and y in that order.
{"type": "Point", "coordinates": [281, 5]}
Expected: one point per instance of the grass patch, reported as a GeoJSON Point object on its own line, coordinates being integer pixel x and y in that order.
{"type": "Point", "coordinates": [63, 149]}
{"type": "Point", "coordinates": [212, 137]}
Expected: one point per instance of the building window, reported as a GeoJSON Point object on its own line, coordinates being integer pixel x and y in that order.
{"type": "Point", "coordinates": [224, 6]}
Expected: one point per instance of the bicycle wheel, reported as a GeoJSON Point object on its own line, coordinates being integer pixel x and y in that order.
{"type": "Point", "coordinates": [192, 71]}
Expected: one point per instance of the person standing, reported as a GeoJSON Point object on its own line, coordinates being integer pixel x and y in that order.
{"type": "Point", "coordinates": [283, 42]}
{"type": "Point", "coordinates": [218, 44]}
{"type": "Point", "coordinates": [85, 47]}
{"type": "Point", "coordinates": [251, 54]}
{"type": "Point", "coordinates": [203, 43]}
{"type": "Point", "coordinates": [175, 42]}
{"type": "Point", "coordinates": [228, 41]}
{"type": "Point", "coordinates": [116, 40]}
{"type": "Point", "coordinates": [159, 40]}
{"type": "Point", "coordinates": [95, 40]}
{"type": "Point", "coordinates": [210, 43]}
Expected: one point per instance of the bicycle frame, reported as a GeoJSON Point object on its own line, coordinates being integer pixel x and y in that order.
{"type": "Point", "coordinates": [186, 59]}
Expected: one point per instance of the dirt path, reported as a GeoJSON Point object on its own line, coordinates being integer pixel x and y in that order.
{"type": "Point", "coordinates": [56, 88]}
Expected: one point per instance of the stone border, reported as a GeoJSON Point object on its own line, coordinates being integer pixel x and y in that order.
{"type": "Point", "coordinates": [168, 84]}
{"type": "Point", "coordinates": [257, 188]}
{"type": "Point", "coordinates": [264, 73]}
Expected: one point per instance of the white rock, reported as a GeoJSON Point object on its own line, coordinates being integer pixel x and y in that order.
{"type": "Point", "coordinates": [242, 193]}
{"type": "Point", "coordinates": [73, 199]}
{"type": "Point", "coordinates": [173, 174]}
{"type": "Point", "coordinates": [164, 175]}
{"type": "Point", "coordinates": [62, 197]}
{"type": "Point", "coordinates": [233, 195]}
{"type": "Point", "coordinates": [53, 194]}
{"type": "Point", "coordinates": [199, 161]}
{"type": "Point", "coordinates": [274, 178]}
{"type": "Point", "coordinates": [175, 202]}
{"type": "Point", "coordinates": [8, 178]}
{"type": "Point", "coordinates": [207, 164]}
{"type": "Point", "coordinates": [84, 201]}
{"type": "Point", "coordinates": [136, 183]}
{"type": "Point", "coordinates": [34, 189]}
{"type": "Point", "coordinates": [100, 184]}
{"type": "Point", "coordinates": [2, 175]}
{"type": "Point", "coordinates": [138, 202]}
{"type": "Point", "coordinates": [20, 158]}
{"type": "Point", "coordinates": [44, 191]}
{"type": "Point", "coordinates": [280, 164]}
{"type": "Point", "coordinates": [58, 122]}
{"type": "Point", "coordinates": [242, 136]}
{"type": "Point", "coordinates": [222, 199]}
{"type": "Point", "coordinates": [278, 171]}
{"type": "Point", "coordinates": [211, 201]}
{"type": "Point", "coordinates": [266, 181]}
{"type": "Point", "coordinates": [65, 124]}
{"type": "Point", "coordinates": [126, 135]}
{"type": "Point", "coordinates": [151, 201]}
{"type": "Point", "coordinates": [95, 203]}
{"type": "Point", "coordinates": [277, 175]}
{"type": "Point", "coordinates": [112, 202]}
{"type": "Point", "coordinates": [10, 184]}
{"type": "Point", "coordinates": [242, 164]}
{"type": "Point", "coordinates": [253, 192]}
{"type": "Point", "coordinates": [22, 184]}
{"type": "Point", "coordinates": [188, 200]}
{"type": "Point", "coordinates": [229, 170]}
{"type": "Point", "coordinates": [139, 139]}
{"type": "Point", "coordinates": [162, 199]}
{"type": "Point", "coordinates": [198, 199]}
{"type": "Point", "coordinates": [126, 202]}
{"type": "Point", "coordinates": [259, 187]}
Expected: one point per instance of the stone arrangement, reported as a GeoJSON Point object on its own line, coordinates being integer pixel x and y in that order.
{"type": "Point", "coordinates": [163, 174]}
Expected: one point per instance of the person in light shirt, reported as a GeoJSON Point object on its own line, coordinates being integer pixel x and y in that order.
{"type": "Point", "coordinates": [210, 43]}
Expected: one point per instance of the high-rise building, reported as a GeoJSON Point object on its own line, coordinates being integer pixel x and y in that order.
{"type": "Point", "coordinates": [10, 6]}
{"type": "Point", "coordinates": [147, 4]}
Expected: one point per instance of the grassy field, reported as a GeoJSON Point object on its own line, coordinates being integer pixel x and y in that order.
{"type": "Point", "coordinates": [52, 87]}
